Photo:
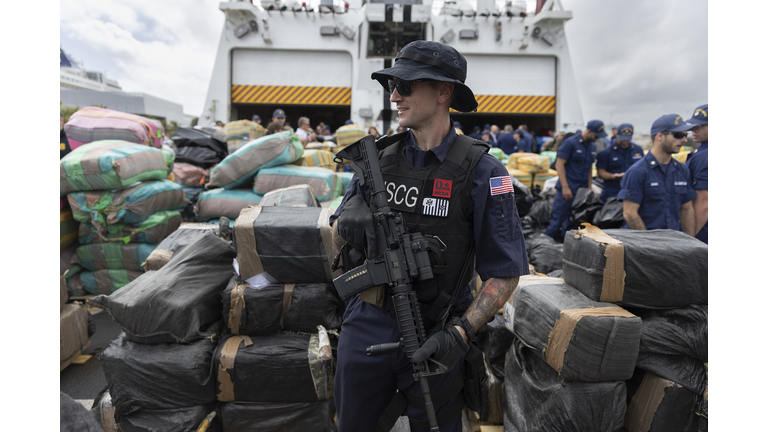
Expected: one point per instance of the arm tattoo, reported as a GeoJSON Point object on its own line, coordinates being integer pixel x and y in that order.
{"type": "Point", "coordinates": [635, 222]}
{"type": "Point", "coordinates": [493, 294]}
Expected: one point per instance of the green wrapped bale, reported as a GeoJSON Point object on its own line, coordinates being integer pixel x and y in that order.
{"type": "Point", "coordinates": [153, 230]}
{"type": "Point", "coordinates": [68, 228]}
{"type": "Point", "coordinates": [101, 281]}
{"type": "Point", "coordinates": [113, 256]}
{"type": "Point", "coordinates": [132, 205]}
{"type": "Point", "coordinates": [239, 167]}
{"type": "Point", "coordinates": [216, 203]}
{"type": "Point", "coordinates": [109, 165]}
{"type": "Point", "coordinates": [326, 184]}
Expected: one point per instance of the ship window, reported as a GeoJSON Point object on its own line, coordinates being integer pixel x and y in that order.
{"type": "Point", "coordinates": [385, 39]}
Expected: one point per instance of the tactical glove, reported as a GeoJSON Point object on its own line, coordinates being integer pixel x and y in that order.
{"type": "Point", "coordinates": [355, 225]}
{"type": "Point", "coordinates": [447, 347]}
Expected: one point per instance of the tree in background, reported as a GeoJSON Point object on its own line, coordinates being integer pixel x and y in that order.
{"type": "Point", "coordinates": [67, 111]}
{"type": "Point", "coordinates": [194, 122]}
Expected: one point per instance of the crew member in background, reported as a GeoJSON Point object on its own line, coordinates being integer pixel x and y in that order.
{"type": "Point", "coordinates": [495, 135]}
{"type": "Point", "coordinates": [534, 142]}
{"type": "Point", "coordinates": [616, 159]}
{"type": "Point", "coordinates": [256, 119]}
{"type": "Point", "coordinates": [305, 132]}
{"type": "Point", "coordinates": [524, 143]}
{"type": "Point", "coordinates": [574, 171]}
{"type": "Point", "coordinates": [475, 133]}
{"type": "Point", "coordinates": [698, 164]}
{"type": "Point", "coordinates": [457, 126]}
{"type": "Point", "coordinates": [486, 137]}
{"type": "Point", "coordinates": [656, 191]}
{"type": "Point", "coordinates": [63, 141]}
{"type": "Point", "coordinates": [614, 135]}
{"type": "Point", "coordinates": [484, 229]}
{"type": "Point", "coordinates": [278, 117]}
{"type": "Point", "coordinates": [507, 142]}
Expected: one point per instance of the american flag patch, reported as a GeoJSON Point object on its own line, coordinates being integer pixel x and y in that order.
{"type": "Point", "coordinates": [435, 207]}
{"type": "Point", "coordinates": [500, 185]}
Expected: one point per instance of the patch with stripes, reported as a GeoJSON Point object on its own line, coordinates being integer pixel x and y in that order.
{"type": "Point", "coordinates": [435, 207]}
{"type": "Point", "coordinates": [500, 185]}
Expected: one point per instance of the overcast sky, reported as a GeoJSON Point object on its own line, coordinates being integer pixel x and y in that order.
{"type": "Point", "coordinates": [633, 60]}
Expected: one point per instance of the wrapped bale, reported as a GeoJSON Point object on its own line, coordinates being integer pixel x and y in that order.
{"type": "Point", "coordinates": [523, 177]}
{"type": "Point", "coordinates": [541, 211]}
{"type": "Point", "coordinates": [702, 410]}
{"type": "Point", "coordinates": [68, 229]}
{"type": "Point", "coordinates": [160, 376]}
{"type": "Point", "coordinates": [116, 256]}
{"type": "Point", "coordinates": [197, 139]}
{"type": "Point", "coordinates": [636, 268]}
{"type": "Point", "coordinates": [73, 417]}
{"type": "Point", "coordinates": [291, 196]}
{"type": "Point", "coordinates": [317, 158]}
{"type": "Point", "coordinates": [581, 339]}
{"type": "Point", "coordinates": [170, 420]}
{"type": "Point", "coordinates": [190, 175]}
{"type": "Point", "coordinates": [540, 178]}
{"type": "Point", "coordinates": [611, 215]}
{"type": "Point", "coordinates": [270, 238]}
{"type": "Point", "coordinates": [213, 204]}
{"type": "Point", "coordinates": [494, 339]}
{"type": "Point", "coordinates": [546, 257]}
{"type": "Point", "coordinates": [101, 281]}
{"type": "Point", "coordinates": [530, 162]}
{"type": "Point", "coordinates": [537, 399]}
{"type": "Point", "coordinates": [687, 371]}
{"type": "Point", "coordinates": [94, 124]}
{"type": "Point", "coordinates": [110, 164]}
{"type": "Point", "coordinates": [243, 129]}
{"type": "Point", "coordinates": [153, 230]}
{"type": "Point", "coordinates": [348, 134]}
{"type": "Point", "coordinates": [73, 330]}
{"type": "Point", "coordinates": [240, 167]}
{"type": "Point", "coordinates": [346, 177]}
{"type": "Point", "coordinates": [584, 206]}
{"type": "Point", "coordinates": [63, 294]}
{"type": "Point", "coordinates": [278, 416]}
{"type": "Point", "coordinates": [283, 367]}
{"type": "Point", "coordinates": [266, 309]}
{"type": "Point", "coordinates": [661, 405]}
{"type": "Point", "coordinates": [177, 302]}
{"type": "Point", "coordinates": [536, 239]}
{"type": "Point", "coordinates": [132, 205]}
{"type": "Point", "coordinates": [187, 233]}
{"type": "Point", "coordinates": [325, 183]}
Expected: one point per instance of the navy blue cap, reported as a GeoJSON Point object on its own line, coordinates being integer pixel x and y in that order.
{"type": "Point", "coordinates": [626, 131]}
{"type": "Point", "coordinates": [671, 123]}
{"type": "Point", "coordinates": [326, 127]}
{"type": "Point", "coordinates": [256, 117]}
{"type": "Point", "coordinates": [457, 124]}
{"type": "Point", "coordinates": [598, 128]}
{"type": "Point", "coordinates": [348, 122]}
{"type": "Point", "coordinates": [487, 126]}
{"type": "Point", "coordinates": [477, 128]}
{"type": "Point", "coordinates": [278, 113]}
{"type": "Point", "coordinates": [700, 115]}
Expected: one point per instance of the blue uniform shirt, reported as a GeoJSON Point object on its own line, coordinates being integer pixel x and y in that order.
{"type": "Point", "coordinates": [659, 194]}
{"type": "Point", "coordinates": [615, 159]}
{"type": "Point", "coordinates": [525, 142]}
{"type": "Point", "coordinates": [580, 154]}
{"type": "Point", "coordinates": [507, 143]}
{"type": "Point", "coordinates": [499, 245]}
{"type": "Point", "coordinates": [698, 164]}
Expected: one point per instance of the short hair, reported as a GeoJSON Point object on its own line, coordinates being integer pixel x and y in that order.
{"type": "Point", "coordinates": [273, 127]}
{"type": "Point", "coordinates": [524, 127]}
{"type": "Point", "coordinates": [508, 128]}
{"type": "Point", "coordinates": [303, 120]}
{"type": "Point", "coordinates": [434, 85]}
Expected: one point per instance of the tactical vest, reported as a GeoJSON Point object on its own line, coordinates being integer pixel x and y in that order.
{"type": "Point", "coordinates": [436, 200]}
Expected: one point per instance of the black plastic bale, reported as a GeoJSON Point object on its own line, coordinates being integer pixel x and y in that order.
{"type": "Point", "coordinates": [258, 309]}
{"type": "Point", "coordinates": [662, 268]}
{"type": "Point", "coordinates": [600, 340]}
{"type": "Point", "coordinates": [73, 417]}
{"type": "Point", "coordinates": [494, 339]}
{"type": "Point", "coordinates": [546, 258]}
{"type": "Point", "coordinates": [170, 420]}
{"type": "Point", "coordinates": [584, 206]}
{"type": "Point", "coordinates": [162, 376]}
{"type": "Point", "coordinates": [278, 416]}
{"type": "Point", "coordinates": [535, 239]}
{"type": "Point", "coordinates": [179, 301]}
{"type": "Point", "coordinates": [537, 399]}
{"type": "Point", "coordinates": [541, 211]}
{"type": "Point", "coordinates": [611, 215]}
{"type": "Point", "coordinates": [184, 235]}
{"type": "Point", "coordinates": [661, 405]}
{"type": "Point", "coordinates": [523, 197]}
{"type": "Point", "coordinates": [274, 368]}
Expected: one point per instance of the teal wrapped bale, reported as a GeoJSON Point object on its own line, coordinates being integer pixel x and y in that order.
{"type": "Point", "coordinates": [101, 281]}
{"type": "Point", "coordinates": [131, 205]}
{"type": "Point", "coordinates": [326, 184]}
{"type": "Point", "coordinates": [216, 203]}
{"type": "Point", "coordinates": [153, 230]}
{"type": "Point", "coordinates": [115, 256]}
{"type": "Point", "coordinates": [269, 151]}
{"type": "Point", "coordinates": [110, 164]}
{"type": "Point", "coordinates": [346, 177]}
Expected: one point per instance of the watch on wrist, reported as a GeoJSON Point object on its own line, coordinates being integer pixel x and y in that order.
{"type": "Point", "coordinates": [464, 323]}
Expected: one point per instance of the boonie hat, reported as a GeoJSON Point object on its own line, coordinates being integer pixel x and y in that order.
{"type": "Point", "coordinates": [433, 61]}
{"type": "Point", "coordinates": [256, 117]}
{"type": "Point", "coordinates": [700, 115]}
{"type": "Point", "coordinates": [671, 123]}
{"type": "Point", "coordinates": [625, 132]}
{"type": "Point", "coordinates": [278, 113]}
{"type": "Point", "coordinates": [598, 128]}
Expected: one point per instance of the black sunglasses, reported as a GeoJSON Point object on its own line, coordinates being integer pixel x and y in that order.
{"type": "Point", "coordinates": [679, 135]}
{"type": "Point", "coordinates": [403, 87]}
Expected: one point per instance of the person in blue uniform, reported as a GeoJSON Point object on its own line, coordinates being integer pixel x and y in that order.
{"type": "Point", "coordinates": [698, 164]}
{"type": "Point", "coordinates": [475, 133]}
{"type": "Point", "coordinates": [656, 192]}
{"type": "Point", "coordinates": [574, 170]}
{"type": "Point", "coordinates": [478, 221]}
{"type": "Point", "coordinates": [507, 142]}
{"type": "Point", "coordinates": [614, 161]}
{"type": "Point", "coordinates": [525, 144]}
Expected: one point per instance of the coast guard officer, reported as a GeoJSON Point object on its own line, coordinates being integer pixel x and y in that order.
{"type": "Point", "coordinates": [476, 217]}
{"type": "Point", "coordinates": [656, 191]}
{"type": "Point", "coordinates": [615, 159]}
{"type": "Point", "coordinates": [698, 164]}
{"type": "Point", "coordinates": [574, 171]}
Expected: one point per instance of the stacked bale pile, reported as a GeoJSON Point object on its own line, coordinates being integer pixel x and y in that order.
{"type": "Point", "coordinates": [91, 124]}
{"type": "Point", "coordinates": [240, 132]}
{"type": "Point", "coordinates": [118, 192]}
{"type": "Point", "coordinates": [526, 166]}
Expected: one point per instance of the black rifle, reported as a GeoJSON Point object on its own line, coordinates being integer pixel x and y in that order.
{"type": "Point", "coordinates": [400, 259]}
